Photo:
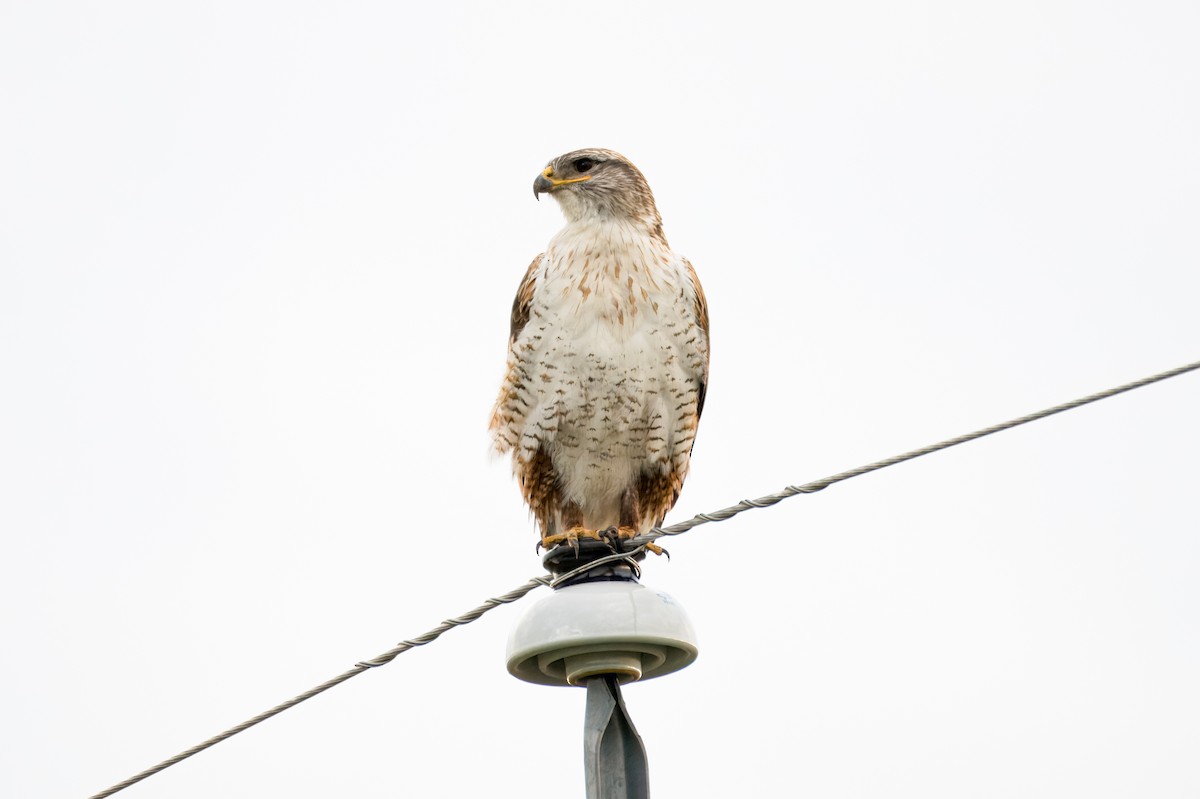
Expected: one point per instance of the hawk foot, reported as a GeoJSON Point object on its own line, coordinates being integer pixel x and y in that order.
{"type": "Point", "coordinates": [571, 537]}
{"type": "Point", "coordinates": [615, 535]}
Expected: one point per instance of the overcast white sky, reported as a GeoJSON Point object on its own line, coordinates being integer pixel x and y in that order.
{"type": "Point", "coordinates": [256, 264]}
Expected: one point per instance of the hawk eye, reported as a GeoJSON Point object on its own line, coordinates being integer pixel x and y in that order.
{"type": "Point", "coordinates": [583, 164]}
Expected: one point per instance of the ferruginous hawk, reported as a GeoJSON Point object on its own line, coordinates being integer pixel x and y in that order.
{"type": "Point", "coordinates": [607, 359]}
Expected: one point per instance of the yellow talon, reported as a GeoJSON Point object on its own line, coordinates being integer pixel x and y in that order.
{"type": "Point", "coordinates": [571, 537]}
{"type": "Point", "coordinates": [626, 533]}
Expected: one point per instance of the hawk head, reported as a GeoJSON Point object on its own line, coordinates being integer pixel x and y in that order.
{"type": "Point", "coordinates": [595, 182]}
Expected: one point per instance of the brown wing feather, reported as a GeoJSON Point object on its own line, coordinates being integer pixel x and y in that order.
{"type": "Point", "coordinates": [507, 408]}
{"type": "Point", "coordinates": [521, 303]}
{"type": "Point", "coordinates": [539, 486]}
{"type": "Point", "coordinates": [701, 311]}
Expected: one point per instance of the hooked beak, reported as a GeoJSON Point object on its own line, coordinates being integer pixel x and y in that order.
{"type": "Point", "coordinates": [546, 182]}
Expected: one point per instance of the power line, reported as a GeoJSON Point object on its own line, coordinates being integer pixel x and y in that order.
{"type": "Point", "coordinates": [367, 665]}
{"type": "Point", "coordinates": [820, 485]}
{"type": "Point", "coordinates": [359, 668]}
{"type": "Point", "coordinates": [640, 543]}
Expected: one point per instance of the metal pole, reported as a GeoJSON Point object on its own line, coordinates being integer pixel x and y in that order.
{"type": "Point", "coordinates": [614, 757]}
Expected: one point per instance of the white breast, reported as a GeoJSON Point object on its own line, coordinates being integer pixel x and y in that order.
{"type": "Point", "coordinates": [609, 363]}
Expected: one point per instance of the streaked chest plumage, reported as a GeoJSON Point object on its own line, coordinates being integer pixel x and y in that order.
{"type": "Point", "coordinates": [605, 370]}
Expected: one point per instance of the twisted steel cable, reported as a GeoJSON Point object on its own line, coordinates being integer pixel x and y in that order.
{"type": "Point", "coordinates": [359, 668]}
{"type": "Point", "coordinates": [640, 543]}
{"type": "Point", "coordinates": [375, 662]}
{"type": "Point", "coordinates": [822, 484]}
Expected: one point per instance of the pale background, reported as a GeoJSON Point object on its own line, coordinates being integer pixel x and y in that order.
{"type": "Point", "coordinates": [256, 263]}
